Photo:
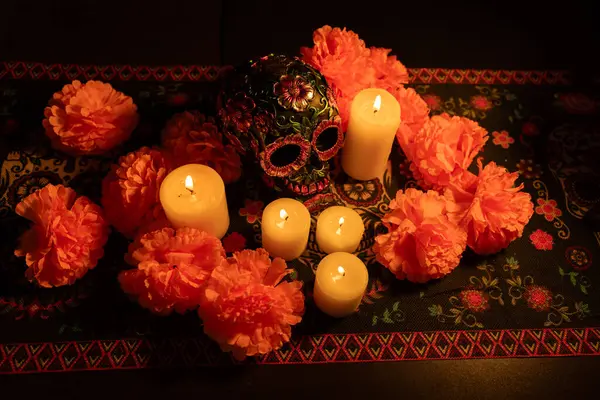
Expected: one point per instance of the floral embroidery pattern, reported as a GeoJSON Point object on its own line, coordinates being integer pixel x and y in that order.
{"type": "Point", "coordinates": [502, 139]}
{"type": "Point", "coordinates": [364, 194]}
{"type": "Point", "coordinates": [252, 210]}
{"type": "Point", "coordinates": [234, 242]}
{"type": "Point", "coordinates": [541, 240]}
{"type": "Point", "coordinates": [577, 103]}
{"type": "Point", "coordinates": [540, 298]}
{"type": "Point", "coordinates": [528, 169]}
{"type": "Point", "coordinates": [390, 316]}
{"type": "Point", "coordinates": [293, 92]}
{"type": "Point", "coordinates": [578, 257]}
{"type": "Point", "coordinates": [577, 280]}
{"type": "Point", "coordinates": [474, 300]}
{"type": "Point", "coordinates": [433, 101]}
{"type": "Point", "coordinates": [549, 210]}
{"type": "Point", "coordinates": [530, 129]}
{"type": "Point", "coordinates": [481, 103]}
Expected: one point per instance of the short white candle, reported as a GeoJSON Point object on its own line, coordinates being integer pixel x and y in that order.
{"type": "Point", "coordinates": [339, 229]}
{"type": "Point", "coordinates": [194, 196]}
{"type": "Point", "coordinates": [285, 226]}
{"type": "Point", "coordinates": [340, 283]}
{"type": "Point", "coordinates": [373, 122]}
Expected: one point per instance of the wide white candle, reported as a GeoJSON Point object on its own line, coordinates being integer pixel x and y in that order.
{"type": "Point", "coordinates": [339, 229]}
{"type": "Point", "coordinates": [340, 283]}
{"type": "Point", "coordinates": [194, 196]}
{"type": "Point", "coordinates": [285, 226]}
{"type": "Point", "coordinates": [374, 120]}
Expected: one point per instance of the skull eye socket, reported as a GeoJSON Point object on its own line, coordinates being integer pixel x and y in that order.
{"type": "Point", "coordinates": [328, 139]}
{"type": "Point", "coordinates": [285, 155]}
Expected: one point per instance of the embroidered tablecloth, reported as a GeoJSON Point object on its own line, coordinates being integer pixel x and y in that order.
{"type": "Point", "coordinates": [539, 297]}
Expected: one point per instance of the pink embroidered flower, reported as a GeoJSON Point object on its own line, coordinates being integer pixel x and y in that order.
{"type": "Point", "coordinates": [237, 113]}
{"type": "Point", "coordinates": [234, 242]}
{"type": "Point", "coordinates": [193, 138]}
{"type": "Point", "coordinates": [528, 169]}
{"type": "Point", "coordinates": [173, 266]}
{"type": "Point", "coordinates": [474, 300]}
{"type": "Point", "coordinates": [130, 190]}
{"type": "Point", "coordinates": [538, 298]}
{"type": "Point", "coordinates": [293, 92]}
{"type": "Point", "coordinates": [541, 240]}
{"type": "Point", "coordinates": [578, 103]}
{"type": "Point", "coordinates": [422, 242]}
{"type": "Point", "coordinates": [481, 103]}
{"type": "Point", "coordinates": [252, 210]}
{"type": "Point", "coordinates": [246, 307]}
{"type": "Point", "coordinates": [502, 139]}
{"type": "Point", "coordinates": [433, 102]}
{"type": "Point", "coordinates": [445, 147]}
{"type": "Point", "coordinates": [530, 129]}
{"type": "Point", "coordinates": [414, 116]}
{"type": "Point", "coordinates": [489, 207]}
{"type": "Point", "coordinates": [67, 237]}
{"type": "Point", "coordinates": [89, 118]}
{"type": "Point", "coordinates": [548, 209]}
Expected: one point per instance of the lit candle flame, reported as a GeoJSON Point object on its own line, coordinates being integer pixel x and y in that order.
{"type": "Point", "coordinates": [284, 216]}
{"type": "Point", "coordinates": [341, 271]}
{"type": "Point", "coordinates": [339, 230]}
{"type": "Point", "coordinates": [377, 104]}
{"type": "Point", "coordinates": [189, 184]}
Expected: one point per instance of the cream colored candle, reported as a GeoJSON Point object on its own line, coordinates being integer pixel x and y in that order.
{"type": "Point", "coordinates": [339, 229]}
{"type": "Point", "coordinates": [194, 196]}
{"type": "Point", "coordinates": [374, 120]}
{"type": "Point", "coordinates": [285, 226]}
{"type": "Point", "coordinates": [340, 283]}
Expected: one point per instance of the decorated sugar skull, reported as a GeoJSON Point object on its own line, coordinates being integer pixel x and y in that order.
{"type": "Point", "coordinates": [281, 112]}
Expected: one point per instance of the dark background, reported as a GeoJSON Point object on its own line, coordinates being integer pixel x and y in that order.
{"type": "Point", "coordinates": [450, 34]}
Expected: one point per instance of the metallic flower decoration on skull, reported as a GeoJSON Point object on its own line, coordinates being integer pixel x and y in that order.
{"type": "Point", "coordinates": [281, 112]}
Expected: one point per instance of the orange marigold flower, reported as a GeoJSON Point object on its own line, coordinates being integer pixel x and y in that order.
{"type": "Point", "coordinates": [246, 307]}
{"type": "Point", "coordinates": [67, 237]}
{"type": "Point", "coordinates": [89, 118]}
{"type": "Point", "coordinates": [130, 191]}
{"type": "Point", "coordinates": [172, 267]}
{"type": "Point", "coordinates": [422, 242]}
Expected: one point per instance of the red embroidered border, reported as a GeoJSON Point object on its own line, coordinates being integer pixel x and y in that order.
{"type": "Point", "coordinates": [369, 347]}
{"type": "Point", "coordinates": [195, 73]}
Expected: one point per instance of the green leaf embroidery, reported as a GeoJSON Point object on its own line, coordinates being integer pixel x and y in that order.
{"type": "Point", "coordinates": [572, 276]}
{"type": "Point", "coordinates": [395, 306]}
{"type": "Point", "coordinates": [561, 271]}
{"type": "Point", "coordinates": [583, 289]}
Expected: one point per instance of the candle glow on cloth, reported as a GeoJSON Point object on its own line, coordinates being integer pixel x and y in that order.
{"type": "Point", "coordinates": [339, 229]}
{"type": "Point", "coordinates": [285, 226]}
{"type": "Point", "coordinates": [194, 196]}
{"type": "Point", "coordinates": [340, 282]}
{"type": "Point", "coordinates": [374, 120]}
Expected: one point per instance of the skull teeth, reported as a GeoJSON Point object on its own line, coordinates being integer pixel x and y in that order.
{"type": "Point", "coordinates": [312, 188]}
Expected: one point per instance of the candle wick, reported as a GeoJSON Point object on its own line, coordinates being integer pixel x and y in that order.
{"type": "Point", "coordinates": [191, 191]}
{"type": "Point", "coordinates": [375, 111]}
